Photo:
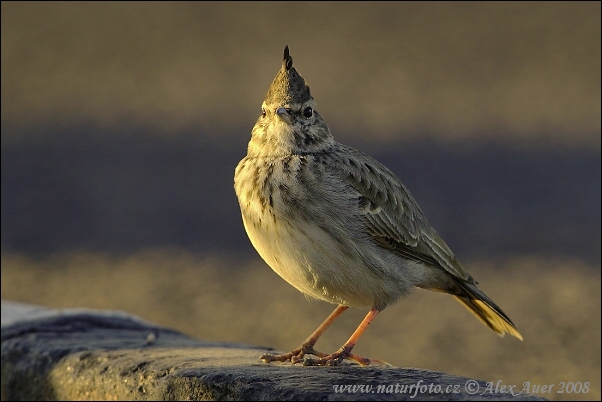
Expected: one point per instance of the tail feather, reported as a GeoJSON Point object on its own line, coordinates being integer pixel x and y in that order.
{"type": "Point", "coordinates": [485, 309]}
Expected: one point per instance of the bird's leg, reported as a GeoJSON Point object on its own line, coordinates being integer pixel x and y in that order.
{"type": "Point", "coordinates": [306, 347]}
{"type": "Point", "coordinates": [345, 351]}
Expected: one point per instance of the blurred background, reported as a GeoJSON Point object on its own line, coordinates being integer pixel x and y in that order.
{"type": "Point", "coordinates": [122, 124]}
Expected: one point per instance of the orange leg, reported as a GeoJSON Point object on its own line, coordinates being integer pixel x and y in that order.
{"type": "Point", "coordinates": [345, 351]}
{"type": "Point", "coordinates": [307, 347]}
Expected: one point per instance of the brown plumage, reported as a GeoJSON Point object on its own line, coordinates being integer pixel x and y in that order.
{"type": "Point", "coordinates": [337, 224]}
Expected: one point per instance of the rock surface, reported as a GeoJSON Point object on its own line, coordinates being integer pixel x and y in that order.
{"type": "Point", "coordinates": [99, 355]}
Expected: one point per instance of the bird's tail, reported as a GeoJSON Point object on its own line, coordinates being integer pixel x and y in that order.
{"type": "Point", "coordinates": [484, 309]}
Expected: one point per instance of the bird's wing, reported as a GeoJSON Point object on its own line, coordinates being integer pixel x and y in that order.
{"type": "Point", "coordinates": [392, 216]}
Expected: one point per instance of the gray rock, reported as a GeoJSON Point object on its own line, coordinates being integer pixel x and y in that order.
{"type": "Point", "coordinates": [92, 355]}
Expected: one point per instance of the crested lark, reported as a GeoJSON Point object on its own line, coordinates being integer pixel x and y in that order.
{"type": "Point", "coordinates": [338, 225]}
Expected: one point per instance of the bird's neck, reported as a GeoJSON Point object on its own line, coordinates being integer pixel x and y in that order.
{"type": "Point", "coordinates": [283, 139]}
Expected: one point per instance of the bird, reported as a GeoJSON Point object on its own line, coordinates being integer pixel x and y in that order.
{"type": "Point", "coordinates": [338, 225]}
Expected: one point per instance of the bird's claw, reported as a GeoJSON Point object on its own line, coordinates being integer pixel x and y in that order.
{"type": "Point", "coordinates": [295, 356]}
{"type": "Point", "coordinates": [337, 358]}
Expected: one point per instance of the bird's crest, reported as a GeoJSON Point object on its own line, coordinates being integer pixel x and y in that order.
{"type": "Point", "coordinates": [288, 87]}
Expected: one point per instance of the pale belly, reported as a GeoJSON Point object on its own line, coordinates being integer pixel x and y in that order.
{"type": "Point", "coordinates": [314, 263]}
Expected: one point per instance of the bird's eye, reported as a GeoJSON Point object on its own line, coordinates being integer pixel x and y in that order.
{"type": "Point", "coordinates": [263, 112]}
{"type": "Point", "coordinates": [308, 112]}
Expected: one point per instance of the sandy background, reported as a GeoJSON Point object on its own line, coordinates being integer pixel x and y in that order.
{"type": "Point", "coordinates": [122, 125]}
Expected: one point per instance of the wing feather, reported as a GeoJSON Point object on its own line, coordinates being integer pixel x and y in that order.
{"type": "Point", "coordinates": [393, 218]}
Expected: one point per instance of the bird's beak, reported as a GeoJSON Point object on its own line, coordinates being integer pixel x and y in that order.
{"type": "Point", "coordinates": [283, 114]}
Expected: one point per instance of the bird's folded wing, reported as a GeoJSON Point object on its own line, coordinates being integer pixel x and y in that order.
{"type": "Point", "coordinates": [392, 216]}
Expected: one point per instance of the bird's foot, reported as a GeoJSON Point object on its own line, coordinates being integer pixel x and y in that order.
{"type": "Point", "coordinates": [336, 358]}
{"type": "Point", "coordinates": [294, 356]}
